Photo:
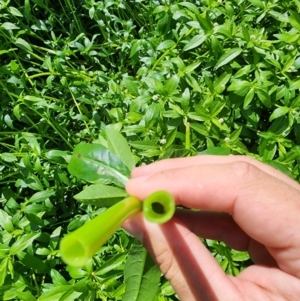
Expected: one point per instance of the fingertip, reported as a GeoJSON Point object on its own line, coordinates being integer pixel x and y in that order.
{"type": "Point", "coordinates": [134, 187]}
{"type": "Point", "coordinates": [139, 171]}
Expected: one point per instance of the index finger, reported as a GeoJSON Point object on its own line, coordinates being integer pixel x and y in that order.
{"type": "Point", "coordinates": [265, 206]}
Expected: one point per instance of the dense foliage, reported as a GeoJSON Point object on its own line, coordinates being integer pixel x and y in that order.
{"type": "Point", "coordinates": [175, 78]}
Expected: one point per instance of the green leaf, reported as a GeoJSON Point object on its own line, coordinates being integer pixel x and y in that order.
{"type": "Point", "coordinates": [111, 264]}
{"type": "Point", "coordinates": [26, 296]}
{"type": "Point", "coordinates": [5, 221]}
{"type": "Point", "coordinates": [57, 278]}
{"type": "Point", "coordinates": [118, 144]}
{"type": "Point", "coordinates": [32, 262]}
{"type": "Point", "coordinates": [54, 293]}
{"type": "Point", "coordinates": [279, 166]}
{"type": "Point", "coordinates": [166, 45]}
{"type": "Point", "coordinates": [294, 20]}
{"type": "Point", "coordinates": [9, 26]}
{"type": "Point", "coordinates": [131, 86]}
{"type": "Point", "coordinates": [220, 83]}
{"type": "Point", "coordinates": [3, 270]}
{"type": "Point", "coordinates": [92, 162]}
{"type": "Point", "coordinates": [228, 57]}
{"type": "Point", "coordinates": [14, 11]}
{"type": "Point", "coordinates": [295, 85]}
{"type": "Point", "coordinates": [281, 111]}
{"type": "Point", "coordinates": [249, 97]}
{"type": "Point", "coordinates": [264, 97]}
{"type": "Point", "coordinates": [41, 196]}
{"type": "Point", "coordinates": [171, 84]}
{"type": "Point", "coordinates": [8, 157]}
{"type": "Point", "coordinates": [141, 275]}
{"type": "Point", "coordinates": [100, 195]}
{"type": "Point", "coordinates": [23, 242]}
{"type": "Point", "coordinates": [257, 3]}
{"type": "Point", "coordinates": [196, 41]}
{"type": "Point", "coordinates": [23, 44]}
{"type": "Point", "coordinates": [220, 151]}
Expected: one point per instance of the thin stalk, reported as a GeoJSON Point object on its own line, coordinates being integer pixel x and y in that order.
{"type": "Point", "coordinates": [188, 136]}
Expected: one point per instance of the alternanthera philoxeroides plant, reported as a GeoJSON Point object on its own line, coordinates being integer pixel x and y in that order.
{"type": "Point", "coordinates": [96, 163]}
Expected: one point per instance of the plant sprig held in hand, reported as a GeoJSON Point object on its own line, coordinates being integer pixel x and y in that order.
{"type": "Point", "coordinates": [79, 246]}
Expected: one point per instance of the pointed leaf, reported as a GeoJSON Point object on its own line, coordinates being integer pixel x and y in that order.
{"type": "Point", "coordinates": [228, 57]}
{"type": "Point", "coordinates": [196, 41]}
{"type": "Point", "coordinates": [171, 84]}
{"type": "Point", "coordinates": [100, 195]}
{"type": "Point", "coordinates": [57, 278]}
{"type": "Point", "coordinates": [279, 112]}
{"type": "Point", "coordinates": [5, 221]}
{"type": "Point", "coordinates": [32, 262]}
{"type": "Point", "coordinates": [54, 293]}
{"type": "Point", "coordinates": [23, 242]}
{"type": "Point", "coordinates": [264, 97]}
{"type": "Point", "coordinates": [23, 44]}
{"type": "Point", "coordinates": [92, 162]}
{"type": "Point", "coordinates": [118, 144]}
{"type": "Point", "coordinates": [141, 275]}
{"type": "Point", "coordinates": [221, 151]}
{"type": "Point", "coordinates": [3, 270]}
{"type": "Point", "coordinates": [41, 196]}
{"type": "Point", "coordinates": [295, 20]}
{"type": "Point", "coordinates": [166, 44]}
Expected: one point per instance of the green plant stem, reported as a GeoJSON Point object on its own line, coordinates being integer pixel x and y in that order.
{"type": "Point", "coordinates": [79, 246]}
{"type": "Point", "coordinates": [188, 136]}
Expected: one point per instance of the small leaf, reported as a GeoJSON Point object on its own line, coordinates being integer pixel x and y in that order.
{"type": "Point", "coordinates": [264, 97]}
{"type": "Point", "coordinates": [111, 264]}
{"type": "Point", "coordinates": [5, 221]}
{"type": "Point", "coordinates": [3, 270]}
{"type": "Point", "coordinates": [8, 157]}
{"type": "Point", "coordinates": [32, 262]}
{"type": "Point", "coordinates": [131, 86]}
{"type": "Point", "coordinates": [57, 278]}
{"type": "Point", "coordinates": [23, 242]}
{"type": "Point", "coordinates": [279, 112]}
{"type": "Point", "coordinates": [54, 293]}
{"type": "Point", "coordinates": [23, 44]}
{"type": "Point", "coordinates": [249, 97]}
{"type": "Point", "coordinates": [220, 151]}
{"type": "Point", "coordinates": [9, 26]}
{"type": "Point", "coordinates": [171, 84]}
{"type": "Point", "coordinates": [295, 20]}
{"type": "Point", "coordinates": [196, 41]}
{"type": "Point", "coordinates": [14, 11]}
{"type": "Point", "coordinates": [41, 196]}
{"type": "Point", "coordinates": [100, 195]}
{"type": "Point", "coordinates": [166, 44]}
{"type": "Point", "coordinates": [228, 57]}
{"type": "Point", "coordinates": [295, 85]}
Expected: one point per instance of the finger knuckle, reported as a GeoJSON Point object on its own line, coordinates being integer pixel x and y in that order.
{"type": "Point", "coordinates": [166, 263]}
{"type": "Point", "coordinates": [245, 169]}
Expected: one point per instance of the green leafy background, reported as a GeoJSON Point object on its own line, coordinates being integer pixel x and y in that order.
{"type": "Point", "coordinates": [175, 79]}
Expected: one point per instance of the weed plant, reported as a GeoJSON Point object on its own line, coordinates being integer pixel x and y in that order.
{"type": "Point", "coordinates": [175, 78]}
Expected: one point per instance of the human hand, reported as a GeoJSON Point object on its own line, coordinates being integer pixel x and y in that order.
{"type": "Point", "coordinates": [244, 203]}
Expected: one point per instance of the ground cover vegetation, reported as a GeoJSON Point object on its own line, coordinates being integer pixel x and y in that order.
{"type": "Point", "coordinates": [175, 78]}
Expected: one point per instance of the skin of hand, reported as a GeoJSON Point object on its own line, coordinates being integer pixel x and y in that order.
{"type": "Point", "coordinates": [246, 204]}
